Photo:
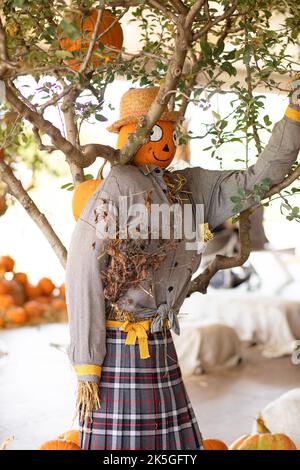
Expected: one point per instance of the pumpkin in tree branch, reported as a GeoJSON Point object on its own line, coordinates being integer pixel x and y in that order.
{"type": "Point", "coordinates": [76, 35]}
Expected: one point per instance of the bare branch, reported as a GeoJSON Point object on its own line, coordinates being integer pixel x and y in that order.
{"type": "Point", "coordinates": [194, 10]}
{"type": "Point", "coordinates": [168, 13]}
{"type": "Point", "coordinates": [5, 63]}
{"type": "Point", "coordinates": [210, 24]}
{"type": "Point", "coordinates": [56, 98]}
{"type": "Point", "coordinates": [202, 281]}
{"type": "Point", "coordinates": [16, 189]}
{"type": "Point", "coordinates": [180, 6]}
{"type": "Point", "coordinates": [41, 146]}
{"type": "Point", "coordinates": [93, 151]}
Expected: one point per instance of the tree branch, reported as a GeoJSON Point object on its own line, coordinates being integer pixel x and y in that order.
{"type": "Point", "coordinates": [16, 189]}
{"type": "Point", "coordinates": [202, 281]}
{"type": "Point", "coordinates": [168, 13]}
{"type": "Point", "coordinates": [216, 20]}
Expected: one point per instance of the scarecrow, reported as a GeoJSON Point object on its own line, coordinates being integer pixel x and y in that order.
{"type": "Point", "coordinates": [124, 292]}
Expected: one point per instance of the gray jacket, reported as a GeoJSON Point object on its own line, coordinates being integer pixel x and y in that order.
{"type": "Point", "coordinates": [165, 290]}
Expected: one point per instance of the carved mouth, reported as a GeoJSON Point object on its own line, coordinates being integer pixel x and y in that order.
{"type": "Point", "coordinates": [160, 159]}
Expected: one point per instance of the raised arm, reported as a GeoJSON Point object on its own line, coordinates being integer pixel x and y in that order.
{"type": "Point", "coordinates": [215, 188]}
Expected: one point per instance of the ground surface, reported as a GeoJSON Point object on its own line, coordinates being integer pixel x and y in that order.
{"type": "Point", "coordinates": [37, 389]}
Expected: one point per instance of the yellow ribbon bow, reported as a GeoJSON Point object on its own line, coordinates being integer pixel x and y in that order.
{"type": "Point", "coordinates": [137, 331]}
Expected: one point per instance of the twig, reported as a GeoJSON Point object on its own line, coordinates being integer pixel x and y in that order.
{"type": "Point", "coordinates": [92, 43]}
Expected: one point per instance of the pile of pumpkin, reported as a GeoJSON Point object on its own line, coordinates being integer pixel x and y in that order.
{"type": "Point", "coordinates": [22, 303]}
{"type": "Point", "coordinates": [263, 439]}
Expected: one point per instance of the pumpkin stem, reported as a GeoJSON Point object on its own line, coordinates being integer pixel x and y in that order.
{"type": "Point", "coordinates": [100, 172]}
{"type": "Point", "coordinates": [261, 427]}
{"type": "Point", "coordinates": [87, 399]}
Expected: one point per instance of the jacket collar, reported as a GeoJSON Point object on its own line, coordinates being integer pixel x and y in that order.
{"type": "Point", "coordinates": [149, 168]}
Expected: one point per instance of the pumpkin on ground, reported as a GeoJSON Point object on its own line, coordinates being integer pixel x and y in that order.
{"type": "Point", "coordinates": [32, 291]}
{"type": "Point", "coordinates": [112, 38]}
{"type": "Point", "coordinates": [33, 309]}
{"type": "Point", "coordinates": [46, 286]}
{"type": "Point", "coordinates": [7, 264]}
{"type": "Point", "coordinates": [2, 322]}
{"type": "Point", "coordinates": [59, 444]}
{"type": "Point", "coordinates": [263, 440]}
{"type": "Point", "coordinates": [21, 278]}
{"type": "Point", "coordinates": [16, 316]}
{"type": "Point", "coordinates": [6, 301]}
{"type": "Point", "coordinates": [82, 194]}
{"type": "Point", "coordinates": [72, 435]}
{"type": "Point", "coordinates": [62, 290]}
{"type": "Point", "coordinates": [214, 444]}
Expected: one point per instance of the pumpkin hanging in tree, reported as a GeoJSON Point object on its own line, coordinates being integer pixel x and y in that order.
{"type": "Point", "coordinates": [109, 37]}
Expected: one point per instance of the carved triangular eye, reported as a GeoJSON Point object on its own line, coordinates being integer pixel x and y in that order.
{"type": "Point", "coordinates": [156, 133]}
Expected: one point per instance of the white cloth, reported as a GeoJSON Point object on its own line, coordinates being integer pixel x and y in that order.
{"type": "Point", "coordinates": [273, 323]}
{"type": "Point", "coordinates": [283, 415]}
{"type": "Point", "coordinates": [207, 348]}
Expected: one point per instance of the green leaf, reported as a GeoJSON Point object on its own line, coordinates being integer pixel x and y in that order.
{"type": "Point", "coordinates": [88, 177]}
{"type": "Point", "coordinates": [67, 185]}
{"type": "Point", "coordinates": [100, 117]}
{"type": "Point", "coordinates": [206, 49]}
{"type": "Point", "coordinates": [235, 199]}
{"type": "Point", "coordinates": [64, 54]}
{"type": "Point", "coordinates": [228, 67]}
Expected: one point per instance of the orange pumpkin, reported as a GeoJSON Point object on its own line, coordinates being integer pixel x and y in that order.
{"type": "Point", "coordinates": [159, 151]}
{"type": "Point", "coordinates": [21, 278]}
{"type": "Point", "coordinates": [2, 322]}
{"type": "Point", "coordinates": [59, 304]}
{"type": "Point", "coordinates": [33, 309]}
{"type": "Point", "coordinates": [6, 301]}
{"type": "Point", "coordinates": [43, 299]}
{"type": "Point", "coordinates": [72, 435]}
{"type": "Point", "coordinates": [16, 290]}
{"type": "Point", "coordinates": [46, 286]}
{"type": "Point", "coordinates": [58, 444]}
{"type": "Point", "coordinates": [16, 315]}
{"type": "Point", "coordinates": [7, 264]}
{"type": "Point", "coordinates": [4, 287]}
{"type": "Point", "coordinates": [263, 440]}
{"type": "Point", "coordinates": [62, 290]}
{"type": "Point", "coordinates": [113, 39]}
{"type": "Point", "coordinates": [214, 444]}
{"type": "Point", "coordinates": [82, 194]}
{"type": "Point", "coordinates": [32, 291]}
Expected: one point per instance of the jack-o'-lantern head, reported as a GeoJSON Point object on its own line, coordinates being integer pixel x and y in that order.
{"type": "Point", "coordinates": [160, 149]}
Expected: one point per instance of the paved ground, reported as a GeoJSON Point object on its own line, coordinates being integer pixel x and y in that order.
{"type": "Point", "coordinates": [37, 389]}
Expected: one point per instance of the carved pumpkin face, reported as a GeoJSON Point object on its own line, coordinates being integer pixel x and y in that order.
{"type": "Point", "coordinates": [160, 149]}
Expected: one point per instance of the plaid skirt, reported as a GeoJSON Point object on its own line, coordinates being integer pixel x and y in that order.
{"type": "Point", "coordinates": [144, 404]}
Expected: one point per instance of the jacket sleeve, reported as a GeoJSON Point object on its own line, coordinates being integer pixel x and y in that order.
{"type": "Point", "coordinates": [218, 187]}
{"type": "Point", "coordinates": [84, 293]}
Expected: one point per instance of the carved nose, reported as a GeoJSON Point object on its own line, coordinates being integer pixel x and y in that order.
{"type": "Point", "coordinates": [166, 148]}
